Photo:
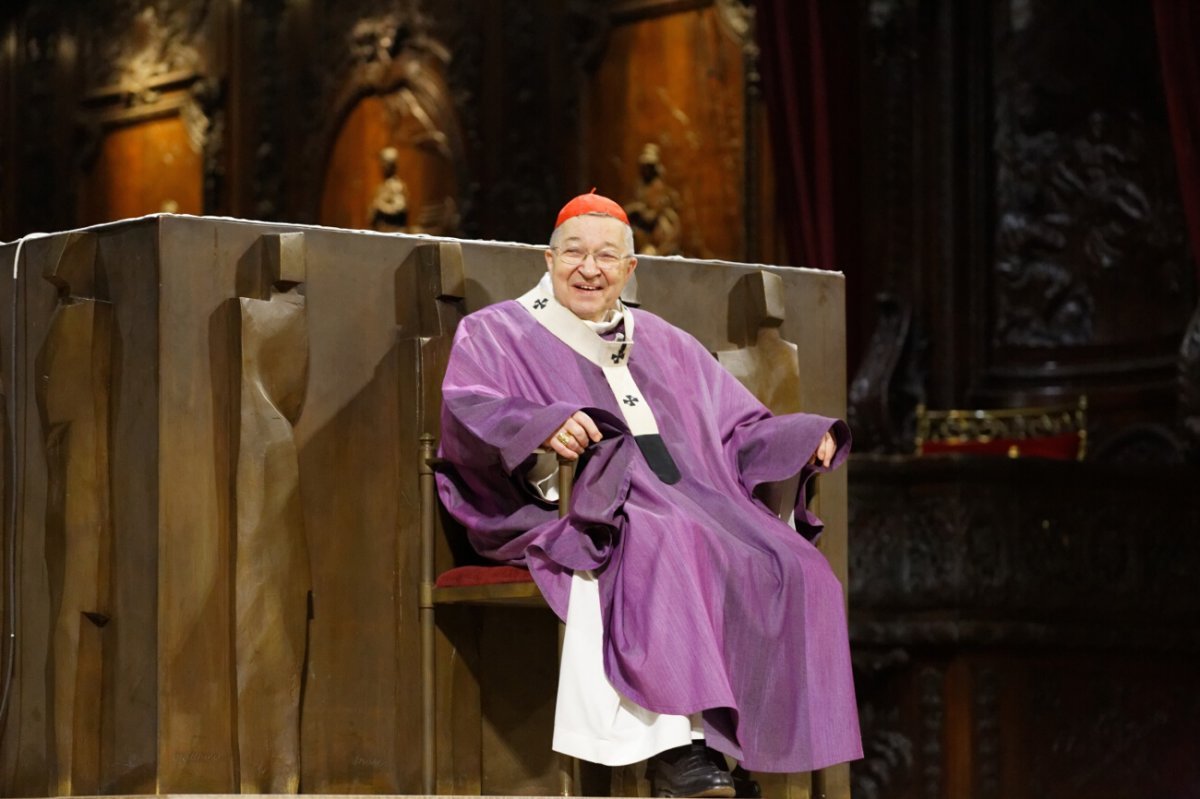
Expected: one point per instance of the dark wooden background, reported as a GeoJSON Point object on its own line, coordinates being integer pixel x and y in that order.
{"type": "Point", "coordinates": [1011, 234]}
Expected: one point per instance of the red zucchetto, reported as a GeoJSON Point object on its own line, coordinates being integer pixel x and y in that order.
{"type": "Point", "coordinates": [591, 203]}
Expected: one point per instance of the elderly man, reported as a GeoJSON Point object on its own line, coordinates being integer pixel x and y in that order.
{"type": "Point", "coordinates": [698, 622]}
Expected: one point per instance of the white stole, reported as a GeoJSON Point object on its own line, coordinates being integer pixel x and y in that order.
{"type": "Point", "coordinates": [611, 356]}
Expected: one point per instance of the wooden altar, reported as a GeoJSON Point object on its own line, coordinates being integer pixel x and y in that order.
{"type": "Point", "coordinates": [210, 555]}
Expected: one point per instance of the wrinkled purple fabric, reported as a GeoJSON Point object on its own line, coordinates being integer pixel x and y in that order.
{"type": "Point", "coordinates": [710, 602]}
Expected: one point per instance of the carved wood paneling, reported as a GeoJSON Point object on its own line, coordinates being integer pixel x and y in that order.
{"type": "Point", "coordinates": [1089, 267]}
{"type": "Point", "coordinates": [151, 120]}
{"type": "Point", "coordinates": [379, 53]}
{"type": "Point", "coordinates": [456, 22]}
{"type": "Point", "coordinates": [1039, 613]}
{"type": "Point", "coordinates": [886, 312]}
{"type": "Point", "coordinates": [676, 81]}
{"type": "Point", "coordinates": [129, 45]}
{"type": "Point", "coordinates": [888, 384]}
{"type": "Point", "coordinates": [1111, 730]}
{"type": "Point", "coordinates": [930, 681]}
{"type": "Point", "coordinates": [946, 534]}
{"type": "Point", "coordinates": [260, 80]}
{"type": "Point", "coordinates": [890, 75]}
{"type": "Point", "coordinates": [890, 729]}
{"type": "Point", "coordinates": [985, 710]}
{"type": "Point", "coordinates": [142, 169]}
{"type": "Point", "coordinates": [528, 117]}
{"type": "Point", "coordinates": [358, 182]}
{"type": "Point", "coordinates": [1019, 192]}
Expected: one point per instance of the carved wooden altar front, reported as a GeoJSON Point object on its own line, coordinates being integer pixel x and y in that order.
{"type": "Point", "coordinates": [213, 554]}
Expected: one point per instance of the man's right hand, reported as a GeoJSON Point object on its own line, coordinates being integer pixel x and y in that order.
{"type": "Point", "coordinates": [573, 436]}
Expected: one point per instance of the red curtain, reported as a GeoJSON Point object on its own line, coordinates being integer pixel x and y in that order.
{"type": "Point", "coordinates": [1178, 23]}
{"type": "Point", "coordinates": [796, 90]}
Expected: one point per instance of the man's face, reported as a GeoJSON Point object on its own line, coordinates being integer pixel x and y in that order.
{"type": "Point", "coordinates": [591, 287]}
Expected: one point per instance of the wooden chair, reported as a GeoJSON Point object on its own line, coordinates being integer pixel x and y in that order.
{"type": "Point", "coordinates": [431, 299]}
{"type": "Point", "coordinates": [468, 585]}
{"type": "Point", "coordinates": [1051, 431]}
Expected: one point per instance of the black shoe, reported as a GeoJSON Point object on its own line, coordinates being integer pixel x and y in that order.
{"type": "Point", "coordinates": [687, 771]}
{"type": "Point", "coordinates": [744, 785]}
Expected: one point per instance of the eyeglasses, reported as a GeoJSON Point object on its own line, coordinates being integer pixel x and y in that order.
{"type": "Point", "coordinates": [574, 256]}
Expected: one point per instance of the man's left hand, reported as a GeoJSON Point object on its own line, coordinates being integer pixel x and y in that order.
{"type": "Point", "coordinates": [825, 451]}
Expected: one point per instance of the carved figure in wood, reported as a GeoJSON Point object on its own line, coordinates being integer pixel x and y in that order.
{"type": "Point", "coordinates": [133, 46]}
{"type": "Point", "coordinates": [389, 208]}
{"type": "Point", "coordinates": [272, 574]}
{"type": "Point", "coordinates": [73, 371]}
{"type": "Point", "coordinates": [653, 211]}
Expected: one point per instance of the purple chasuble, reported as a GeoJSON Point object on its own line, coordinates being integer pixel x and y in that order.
{"type": "Point", "coordinates": [710, 602]}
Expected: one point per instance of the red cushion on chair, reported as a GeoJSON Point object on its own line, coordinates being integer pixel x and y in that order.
{"type": "Point", "coordinates": [483, 575]}
{"type": "Point", "coordinates": [1061, 447]}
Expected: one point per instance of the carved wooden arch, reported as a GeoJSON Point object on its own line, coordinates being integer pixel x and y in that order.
{"type": "Point", "coordinates": [419, 66]}
{"type": "Point", "coordinates": [147, 76]}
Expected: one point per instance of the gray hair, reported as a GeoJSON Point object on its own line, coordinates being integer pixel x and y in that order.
{"type": "Point", "coordinates": [555, 236]}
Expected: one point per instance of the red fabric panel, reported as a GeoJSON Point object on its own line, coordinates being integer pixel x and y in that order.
{"type": "Point", "coordinates": [1063, 447]}
{"type": "Point", "coordinates": [483, 575]}
{"type": "Point", "coordinates": [795, 86]}
{"type": "Point", "coordinates": [1178, 24]}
